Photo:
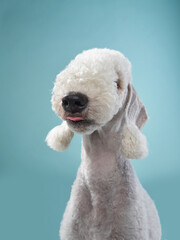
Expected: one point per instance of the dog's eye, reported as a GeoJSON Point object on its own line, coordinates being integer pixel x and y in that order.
{"type": "Point", "coordinates": [117, 83]}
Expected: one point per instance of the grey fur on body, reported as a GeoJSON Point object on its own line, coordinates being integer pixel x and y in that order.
{"type": "Point", "coordinates": [107, 200]}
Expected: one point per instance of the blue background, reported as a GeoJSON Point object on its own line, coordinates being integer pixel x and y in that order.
{"type": "Point", "coordinates": [37, 40]}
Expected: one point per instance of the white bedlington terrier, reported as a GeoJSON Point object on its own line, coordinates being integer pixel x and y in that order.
{"type": "Point", "coordinates": [94, 97]}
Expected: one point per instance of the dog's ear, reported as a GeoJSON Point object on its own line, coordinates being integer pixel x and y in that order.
{"type": "Point", "coordinates": [133, 142]}
{"type": "Point", "coordinates": [59, 137]}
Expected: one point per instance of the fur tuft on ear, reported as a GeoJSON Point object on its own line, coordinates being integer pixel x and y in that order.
{"type": "Point", "coordinates": [59, 137]}
{"type": "Point", "coordinates": [133, 143]}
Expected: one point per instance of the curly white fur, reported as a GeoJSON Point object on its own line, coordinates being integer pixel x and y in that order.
{"type": "Point", "coordinates": [59, 137]}
{"type": "Point", "coordinates": [89, 73]}
{"type": "Point", "coordinates": [133, 143]}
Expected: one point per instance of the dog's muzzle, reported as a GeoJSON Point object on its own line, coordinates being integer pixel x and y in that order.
{"type": "Point", "coordinates": [74, 102]}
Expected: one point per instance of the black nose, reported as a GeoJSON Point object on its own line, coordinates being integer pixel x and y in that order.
{"type": "Point", "coordinates": [74, 102]}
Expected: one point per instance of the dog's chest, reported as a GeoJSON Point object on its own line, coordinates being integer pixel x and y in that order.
{"type": "Point", "coordinates": [110, 203]}
{"type": "Point", "coordinates": [111, 191]}
{"type": "Point", "coordinates": [109, 186]}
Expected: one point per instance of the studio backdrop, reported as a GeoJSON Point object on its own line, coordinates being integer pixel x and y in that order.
{"type": "Point", "coordinates": [38, 39]}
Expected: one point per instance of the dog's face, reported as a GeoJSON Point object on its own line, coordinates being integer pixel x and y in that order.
{"type": "Point", "coordinates": [90, 91]}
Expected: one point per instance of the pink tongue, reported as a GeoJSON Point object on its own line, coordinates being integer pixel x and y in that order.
{"type": "Point", "coordinates": [75, 118]}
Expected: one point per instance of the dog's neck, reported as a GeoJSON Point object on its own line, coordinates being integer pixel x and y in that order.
{"type": "Point", "coordinates": [101, 150]}
{"type": "Point", "coordinates": [106, 138]}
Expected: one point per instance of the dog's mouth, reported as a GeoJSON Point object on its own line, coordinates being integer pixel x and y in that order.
{"type": "Point", "coordinates": [75, 119]}
{"type": "Point", "coordinates": [79, 121]}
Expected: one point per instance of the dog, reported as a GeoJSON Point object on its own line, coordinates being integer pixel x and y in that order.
{"type": "Point", "coordinates": [94, 96]}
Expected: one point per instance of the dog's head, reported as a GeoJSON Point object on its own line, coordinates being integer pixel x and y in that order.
{"type": "Point", "coordinates": [89, 92]}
